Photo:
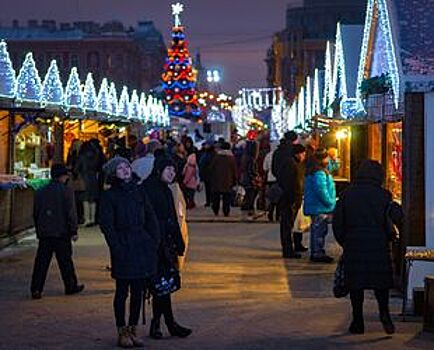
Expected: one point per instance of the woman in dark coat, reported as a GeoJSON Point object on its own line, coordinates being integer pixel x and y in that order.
{"type": "Point", "coordinates": [363, 226]}
{"type": "Point", "coordinates": [131, 230]}
{"type": "Point", "coordinates": [171, 246]}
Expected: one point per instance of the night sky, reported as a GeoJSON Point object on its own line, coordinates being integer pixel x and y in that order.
{"type": "Point", "coordinates": [233, 34]}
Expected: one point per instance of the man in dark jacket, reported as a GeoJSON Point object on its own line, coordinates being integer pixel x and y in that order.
{"type": "Point", "coordinates": [55, 219]}
{"type": "Point", "coordinates": [290, 179]}
{"type": "Point", "coordinates": [223, 176]}
{"type": "Point", "coordinates": [283, 151]}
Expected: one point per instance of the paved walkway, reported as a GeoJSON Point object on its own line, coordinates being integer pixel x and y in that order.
{"type": "Point", "coordinates": [237, 294]}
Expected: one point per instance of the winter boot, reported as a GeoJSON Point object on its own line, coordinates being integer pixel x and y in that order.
{"type": "Point", "coordinates": [155, 330]}
{"type": "Point", "coordinates": [124, 339]}
{"type": "Point", "coordinates": [137, 342]}
{"type": "Point", "coordinates": [388, 325]}
{"type": "Point", "coordinates": [176, 330]}
{"type": "Point", "coordinates": [357, 327]}
{"type": "Point", "coordinates": [298, 242]}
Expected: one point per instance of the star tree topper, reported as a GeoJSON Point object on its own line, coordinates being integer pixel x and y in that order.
{"type": "Point", "coordinates": [177, 9]}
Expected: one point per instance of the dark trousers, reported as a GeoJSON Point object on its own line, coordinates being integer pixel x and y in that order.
{"type": "Point", "coordinates": [226, 197]}
{"type": "Point", "coordinates": [357, 297]}
{"type": "Point", "coordinates": [208, 194]}
{"type": "Point", "coordinates": [79, 206]}
{"type": "Point", "coordinates": [135, 288]}
{"type": "Point", "coordinates": [162, 306]}
{"type": "Point", "coordinates": [287, 218]}
{"type": "Point", "coordinates": [249, 199]}
{"type": "Point", "coordinates": [62, 248]}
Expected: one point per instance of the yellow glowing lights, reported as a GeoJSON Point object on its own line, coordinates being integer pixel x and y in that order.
{"type": "Point", "coordinates": [343, 134]}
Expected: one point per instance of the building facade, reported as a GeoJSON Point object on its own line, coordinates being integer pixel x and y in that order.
{"type": "Point", "coordinates": [126, 56]}
{"type": "Point", "coordinates": [298, 49]}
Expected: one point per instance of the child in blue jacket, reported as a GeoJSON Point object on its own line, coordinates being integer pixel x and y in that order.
{"type": "Point", "coordinates": [319, 203]}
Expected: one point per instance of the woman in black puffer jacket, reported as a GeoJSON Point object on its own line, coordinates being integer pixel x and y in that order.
{"type": "Point", "coordinates": [171, 245]}
{"type": "Point", "coordinates": [131, 230]}
{"type": "Point", "coordinates": [363, 224]}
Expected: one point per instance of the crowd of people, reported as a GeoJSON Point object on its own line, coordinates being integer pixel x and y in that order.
{"type": "Point", "coordinates": [130, 195]}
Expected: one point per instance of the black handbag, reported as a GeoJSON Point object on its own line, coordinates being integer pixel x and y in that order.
{"type": "Point", "coordinates": [165, 283]}
{"type": "Point", "coordinates": [339, 288]}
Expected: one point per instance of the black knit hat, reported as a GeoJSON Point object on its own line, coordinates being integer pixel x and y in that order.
{"type": "Point", "coordinates": [160, 163]}
{"type": "Point", "coordinates": [371, 170]}
{"type": "Point", "coordinates": [58, 170]}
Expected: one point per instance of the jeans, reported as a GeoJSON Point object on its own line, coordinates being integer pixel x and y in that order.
{"type": "Point", "coordinates": [226, 202]}
{"type": "Point", "coordinates": [136, 290]}
{"type": "Point", "coordinates": [318, 233]}
{"type": "Point", "coordinates": [62, 248]}
{"type": "Point", "coordinates": [357, 298]}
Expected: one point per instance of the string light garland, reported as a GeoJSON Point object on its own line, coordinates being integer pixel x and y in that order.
{"type": "Point", "coordinates": [73, 92]}
{"type": "Point", "coordinates": [124, 101]}
{"type": "Point", "coordinates": [113, 99]}
{"type": "Point", "coordinates": [29, 86]}
{"type": "Point", "coordinates": [378, 12]}
{"type": "Point", "coordinates": [52, 89]}
{"type": "Point", "coordinates": [90, 97]}
{"type": "Point", "coordinates": [7, 73]}
{"type": "Point", "coordinates": [328, 79]}
{"type": "Point", "coordinates": [134, 106]}
{"type": "Point", "coordinates": [103, 102]}
{"type": "Point", "coordinates": [339, 75]}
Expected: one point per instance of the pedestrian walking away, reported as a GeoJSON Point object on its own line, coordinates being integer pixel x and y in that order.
{"type": "Point", "coordinates": [250, 179]}
{"type": "Point", "coordinates": [171, 246]}
{"type": "Point", "coordinates": [319, 203]}
{"type": "Point", "coordinates": [223, 176]}
{"type": "Point", "coordinates": [55, 218]}
{"type": "Point", "coordinates": [131, 230]}
{"type": "Point", "coordinates": [363, 224]}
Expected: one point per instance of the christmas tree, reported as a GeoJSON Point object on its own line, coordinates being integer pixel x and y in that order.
{"type": "Point", "coordinates": [52, 89]}
{"type": "Point", "coordinates": [103, 104]}
{"type": "Point", "coordinates": [134, 106]}
{"type": "Point", "coordinates": [124, 101]}
{"type": "Point", "coordinates": [90, 98]}
{"type": "Point", "coordinates": [73, 94]}
{"type": "Point", "coordinates": [7, 73]}
{"type": "Point", "coordinates": [179, 77]}
{"type": "Point", "coordinates": [29, 85]}
{"type": "Point", "coordinates": [113, 99]}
